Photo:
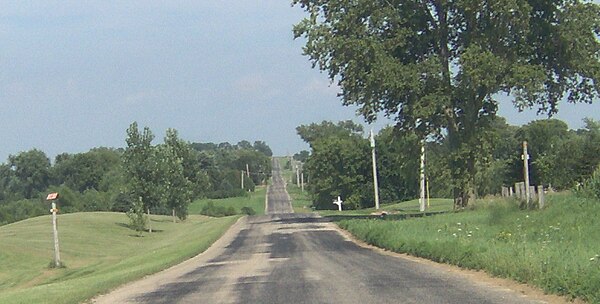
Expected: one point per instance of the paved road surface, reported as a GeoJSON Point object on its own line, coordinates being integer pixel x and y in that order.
{"type": "Point", "coordinates": [289, 258]}
{"type": "Point", "coordinates": [277, 196]}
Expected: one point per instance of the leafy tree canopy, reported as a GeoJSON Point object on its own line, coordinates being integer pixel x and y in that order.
{"type": "Point", "coordinates": [32, 171]}
{"type": "Point", "coordinates": [313, 132]}
{"type": "Point", "coordinates": [302, 156]}
{"type": "Point", "coordinates": [437, 66]}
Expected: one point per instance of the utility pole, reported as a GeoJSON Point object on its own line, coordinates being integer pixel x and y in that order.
{"type": "Point", "coordinates": [375, 184]}
{"type": "Point", "coordinates": [525, 158]}
{"type": "Point", "coordinates": [422, 178]}
{"type": "Point", "coordinates": [301, 177]}
{"type": "Point", "coordinates": [297, 175]}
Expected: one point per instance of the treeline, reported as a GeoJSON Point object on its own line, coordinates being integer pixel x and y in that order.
{"type": "Point", "coordinates": [339, 162]}
{"type": "Point", "coordinates": [166, 176]}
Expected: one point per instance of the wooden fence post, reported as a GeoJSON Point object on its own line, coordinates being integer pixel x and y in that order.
{"type": "Point", "coordinates": [541, 197]}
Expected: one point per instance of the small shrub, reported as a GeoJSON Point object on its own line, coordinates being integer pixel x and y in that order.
{"type": "Point", "coordinates": [52, 265]}
{"type": "Point", "coordinates": [248, 211]}
{"type": "Point", "coordinates": [590, 188]}
{"type": "Point", "coordinates": [217, 211]}
{"type": "Point", "coordinates": [137, 218]}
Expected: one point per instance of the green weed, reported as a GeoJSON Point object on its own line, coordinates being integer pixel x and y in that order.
{"type": "Point", "coordinates": [556, 249]}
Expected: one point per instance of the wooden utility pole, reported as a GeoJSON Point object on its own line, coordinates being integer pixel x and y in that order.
{"type": "Point", "coordinates": [525, 158]}
{"type": "Point", "coordinates": [374, 159]}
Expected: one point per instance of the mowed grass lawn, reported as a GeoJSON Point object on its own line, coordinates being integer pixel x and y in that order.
{"type": "Point", "coordinates": [99, 250]}
{"type": "Point", "coordinates": [254, 200]}
{"type": "Point", "coordinates": [556, 249]}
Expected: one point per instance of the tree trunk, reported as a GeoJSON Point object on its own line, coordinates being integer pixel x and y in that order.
{"type": "Point", "coordinates": [462, 166]}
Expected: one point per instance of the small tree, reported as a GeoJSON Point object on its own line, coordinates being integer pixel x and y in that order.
{"type": "Point", "coordinates": [142, 170]}
{"type": "Point", "coordinates": [137, 218]}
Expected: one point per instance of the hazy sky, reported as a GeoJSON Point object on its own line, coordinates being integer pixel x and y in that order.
{"type": "Point", "coordinates": [75, 74]}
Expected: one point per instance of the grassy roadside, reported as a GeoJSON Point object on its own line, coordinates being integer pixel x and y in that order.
{"type": "Point", "coordinates": [436, 205]}
{"type": "Point", "coordinates": [100, 253]}
{"type": "Point", "coordinates": [556, 249]}
{"type": "Point", "coordinates": [255, 200]}
{"type": "Point", "coordinates": [301, 202]}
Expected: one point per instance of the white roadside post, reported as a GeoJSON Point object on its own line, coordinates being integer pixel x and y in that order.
{"type": "Point", "coordinates": [302, 178]}
{"type": "Point", "coordinates": [375, 184]}
{"type": "Point", "coordinates": [54, 197]}
{"type": "Point", "coordinates": [422, 179]}
{"type": "Point", "coordinates": [525, 158]}
{"type": "Point", "coordinates": [339, 203]}
{"type": "Point", "coordinates": [297, 175]}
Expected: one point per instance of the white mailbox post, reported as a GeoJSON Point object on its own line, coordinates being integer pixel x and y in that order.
{"type": "Point", "coordinates": [53, 197]}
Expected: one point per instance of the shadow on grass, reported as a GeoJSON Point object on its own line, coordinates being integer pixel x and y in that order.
{"type": "Point", "coordinates": [123, 225]}
{"type": "Point", "coordinates": [386, 217]}
{"type": "Point", "coordinates": [308, 218]}
{"type": "Point", "coordinates": [162, 220]}
{"type": "Point", "coordinates": [145, 230]}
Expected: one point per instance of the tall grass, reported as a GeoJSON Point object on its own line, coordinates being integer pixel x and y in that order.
{"type": "Point", "coordinates": [301, 201]}
{"type": "Point", "coordinates": [556, 249]}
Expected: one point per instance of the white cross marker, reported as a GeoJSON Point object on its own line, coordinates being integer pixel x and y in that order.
{"type": "Point", "coordinates": [339, 203]}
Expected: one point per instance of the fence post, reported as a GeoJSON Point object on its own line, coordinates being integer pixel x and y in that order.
{"type": "Point", "coordinates": [541, 196]}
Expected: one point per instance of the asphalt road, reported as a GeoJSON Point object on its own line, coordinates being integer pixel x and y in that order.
{"type": "Point", "coordinates": [293, 258]}
{"type": "Point", "coordinates": [277, 197]}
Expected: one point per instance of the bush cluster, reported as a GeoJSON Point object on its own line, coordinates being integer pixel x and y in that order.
{"type": "Point", "coordinates": [211, 209]}
{"type": "Point", "coordinates": [590, 188]}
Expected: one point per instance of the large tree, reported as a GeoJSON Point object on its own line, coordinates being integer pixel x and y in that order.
{"type": "Point", "coordinates": [85, 171]}
{"type": "Point", "coordinates": [398, 165]}
{"type": "Point", "coordinates": [32, 171]}
{"type": "Point", "coordinates": [438, 66]}
{"type": "Point", "coordinates": [142, 168]}
{"type": "Point", "coordinates": [339, 164]}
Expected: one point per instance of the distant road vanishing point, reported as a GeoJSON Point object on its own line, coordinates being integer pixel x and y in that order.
{"type": "Point", "coordinates": [284, 257]}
